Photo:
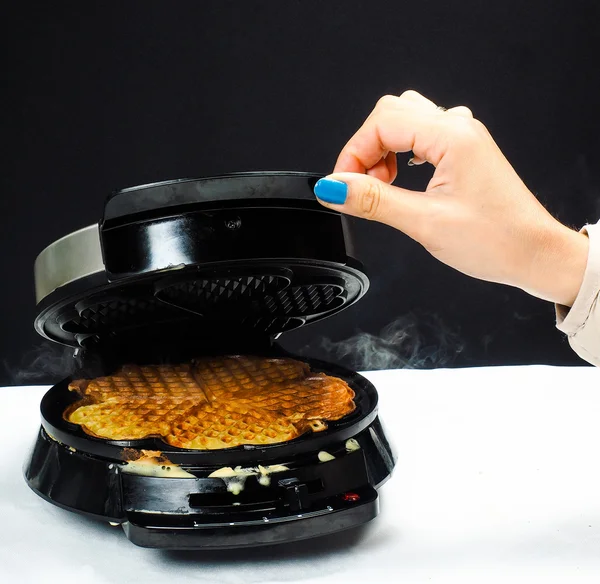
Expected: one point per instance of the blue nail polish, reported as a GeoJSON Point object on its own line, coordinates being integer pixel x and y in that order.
{"type": "Point", "coordinates": [331, 191]}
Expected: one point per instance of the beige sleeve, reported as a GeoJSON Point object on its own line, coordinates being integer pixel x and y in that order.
{"type": "Point", "coordinates": [581, 323]}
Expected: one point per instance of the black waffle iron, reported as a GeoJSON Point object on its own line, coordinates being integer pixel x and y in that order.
{"type": "Point", "coordinates": [186, 268]}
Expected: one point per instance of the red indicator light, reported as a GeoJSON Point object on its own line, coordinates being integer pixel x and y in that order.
{"type": "Point", "coordinates": [350, 497]}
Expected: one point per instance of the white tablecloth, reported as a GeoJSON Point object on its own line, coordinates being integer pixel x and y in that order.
{"type": "Point", "coordinates": [498, 480]}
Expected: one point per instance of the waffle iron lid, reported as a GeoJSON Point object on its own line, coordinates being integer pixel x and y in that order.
{"type": "Point", "coordinates": [242, 186]}
{"type": "Point", "coordinates": [247, 255]}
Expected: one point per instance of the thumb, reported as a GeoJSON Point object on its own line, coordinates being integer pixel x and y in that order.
{"type": "Point", "coordinates": [367, 197]}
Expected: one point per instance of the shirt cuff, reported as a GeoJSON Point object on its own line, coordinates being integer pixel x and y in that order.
{"type": "Point", "coordinates": [570, 320]}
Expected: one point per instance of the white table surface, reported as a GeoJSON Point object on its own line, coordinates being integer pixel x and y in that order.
{"type": "Point", "coordinates": [498, 480]}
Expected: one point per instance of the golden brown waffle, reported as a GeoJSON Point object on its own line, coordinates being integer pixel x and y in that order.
{"type": "Point", "coordinates": [211, 403]}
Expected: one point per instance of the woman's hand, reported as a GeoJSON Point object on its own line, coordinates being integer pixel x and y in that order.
{"type": "Point", "coordinates": [476, 214]}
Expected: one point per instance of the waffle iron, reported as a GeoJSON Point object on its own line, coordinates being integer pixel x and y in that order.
{"type": "Point", "coordinates": [184, 268]}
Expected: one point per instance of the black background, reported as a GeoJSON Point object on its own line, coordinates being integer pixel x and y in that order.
{"type": "Point", "coordinates": [103, 96]}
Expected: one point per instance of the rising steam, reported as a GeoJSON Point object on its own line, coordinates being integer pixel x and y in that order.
{"type": "Point", "coordinates": [409, 342]}
{"type": "Point", "coordinates": [44, 364]}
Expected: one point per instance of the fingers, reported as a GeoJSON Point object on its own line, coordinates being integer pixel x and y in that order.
{"type": "Point", "coordinates": [460, 110]}
{"type": "Point", "coordinates": [379, 170]}
{"type": "Point", "coordinates": [416, 161]}
{"type": "Point", "coordinates": [417, 99]}
{"type": "Point", "coordinates": [348, 162]}
{"type": "Point", "coordinates": [386, 169]}
{"type": "Point", "coordinates": [407, 123]}
{"type": "Point", "coordinates": [390, 129]}
{"type": "Point", "coordinates": [391, 162]}
{"type": "Point", "coordinates": [367, 197]}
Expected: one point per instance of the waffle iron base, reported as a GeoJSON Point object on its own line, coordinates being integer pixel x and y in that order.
{"type": "Point", "coordinates": [311, 499]}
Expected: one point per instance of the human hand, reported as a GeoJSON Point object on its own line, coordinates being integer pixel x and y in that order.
{"type": "Point", "coordinates": [476, 215]}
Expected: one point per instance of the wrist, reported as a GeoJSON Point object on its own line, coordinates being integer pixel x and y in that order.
{"type": "Point", "coordinates": [557, 263]}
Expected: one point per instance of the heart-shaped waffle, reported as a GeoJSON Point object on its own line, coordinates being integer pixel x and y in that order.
{"type": "Point", "coordinates": [211, 403]}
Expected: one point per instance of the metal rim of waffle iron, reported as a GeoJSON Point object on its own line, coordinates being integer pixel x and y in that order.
{"type": "Point", "coordinates": [253, 252]}
{"type": "Point", "coordinates": [58, 398]}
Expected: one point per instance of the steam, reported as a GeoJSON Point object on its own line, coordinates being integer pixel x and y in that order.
{"type": "Point", "coordinates": [409, 342]}
{"type": "Point", "coordinates": [44, 364]}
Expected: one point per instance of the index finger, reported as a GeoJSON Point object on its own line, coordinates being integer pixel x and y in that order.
{"type": "Point", "coordinates": [402, 129]}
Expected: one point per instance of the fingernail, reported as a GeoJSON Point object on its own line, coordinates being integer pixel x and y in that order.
{"type": "Point", "coordinates": [331, 191]}
{"type": "Point", "coordinates": [411, 162]}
